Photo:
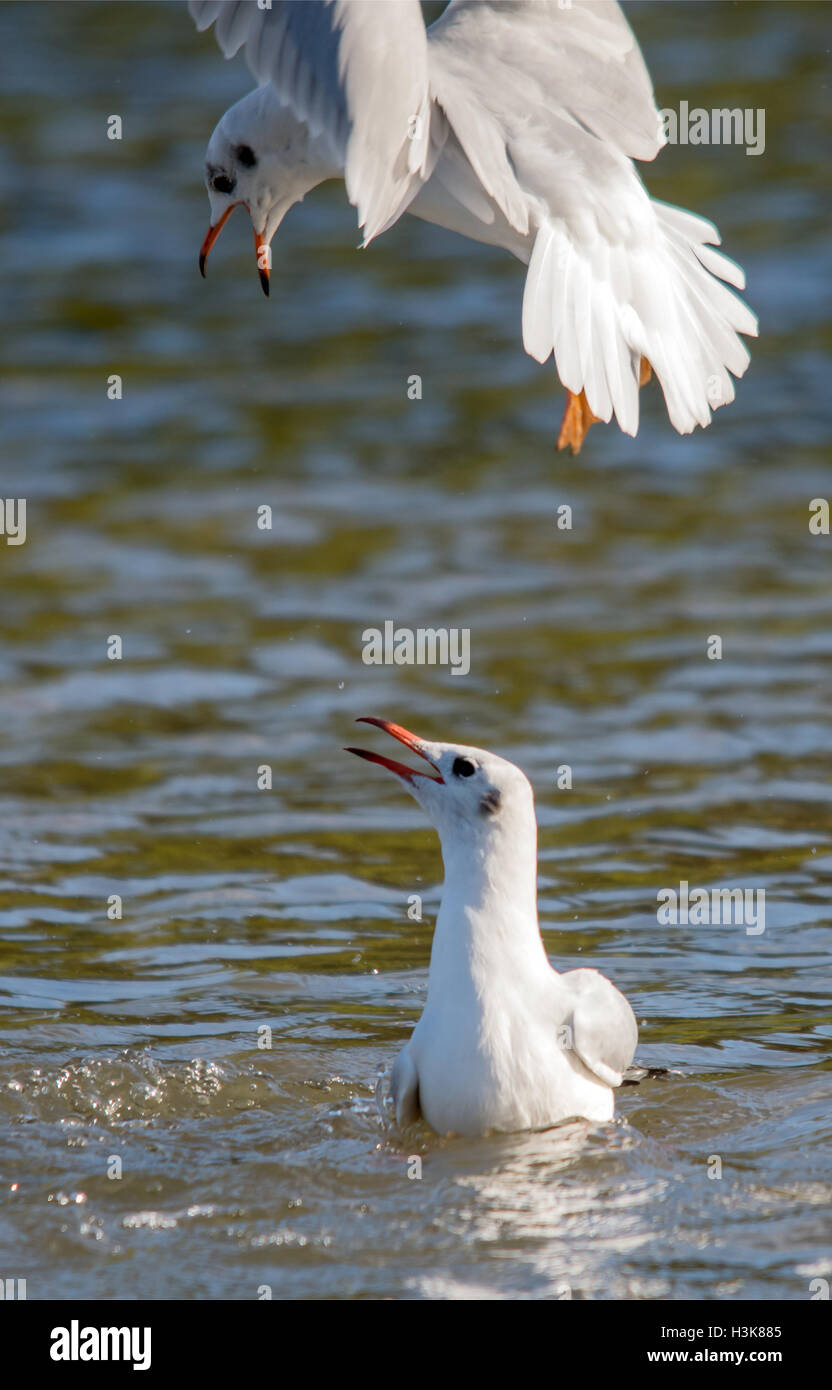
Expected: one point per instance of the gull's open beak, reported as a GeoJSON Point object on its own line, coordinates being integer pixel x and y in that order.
{"type": "Point", "coordinates": [211, 236]}
{"type": "Point", "coordinates": [261, 247]}
{"type": "Point", "coordinates": [409, 740]}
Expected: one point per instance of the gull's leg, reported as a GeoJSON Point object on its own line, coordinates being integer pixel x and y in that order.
{"type": "Point", "coordinates": [578, 418]}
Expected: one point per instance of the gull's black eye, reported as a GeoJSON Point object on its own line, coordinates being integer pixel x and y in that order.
{"type": "Point", "coordinates": [221, 183]}
{"type": "Point", "coordinates": [463, 768]}
{"type": "Point", "coordinates": [245, 155]}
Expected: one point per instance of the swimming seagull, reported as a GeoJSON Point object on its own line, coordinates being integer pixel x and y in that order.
{"type": "Point", "coordinates": [505, 1042]}
{"type": "Point", "coordinates": [514, 124]}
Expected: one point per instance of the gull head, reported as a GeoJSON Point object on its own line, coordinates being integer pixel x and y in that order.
{"type": "Point", "coordinates": [259, 157]}
{"type": "Point", "coordinates": [477, 801]}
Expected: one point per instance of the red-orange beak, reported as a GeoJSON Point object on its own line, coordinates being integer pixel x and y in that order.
{"type": "Point", "coordinates": [409, 740]}
{"type": "Point", "coordinates": [211, 236]}
{"type": "Point", "coordinates": [260, 247]}
{"type": "Point", "coordinates": [263, 253]}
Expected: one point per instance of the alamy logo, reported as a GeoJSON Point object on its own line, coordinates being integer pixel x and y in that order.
{"type": "Point", "coordinates": [76, 1343]}
{"type": "Point", "coordinates": [421, 646]}
{"type": "Point", "coordinates": [718, 127]}
{"type": "Point", "coordinates": [13, 520]}
{"type": "Point", "coordinates": [697, 907]}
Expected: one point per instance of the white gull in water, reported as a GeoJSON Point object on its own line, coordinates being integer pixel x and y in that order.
{"type": "Point", "coordinates": [505, 1042]}
{"type": "Point", "coordinates": [513, 124]}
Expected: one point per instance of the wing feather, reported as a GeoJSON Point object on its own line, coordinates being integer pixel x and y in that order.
{"type": "Point", "coordinates": [494, 62]}
{"type": "Point", "coordinates": [404, 1088]}
{"type": "Point", "coordinates": [355, 70]}
{"type": "Point", "coordinates": [603, 1026]}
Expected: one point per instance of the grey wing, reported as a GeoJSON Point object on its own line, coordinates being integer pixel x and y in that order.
{"type": "Point", "coordinates": [355, 71]}
{"type": "Point", "coordinates": [603, 1028]}
{"type": "Point", "coordinates": [404, 1088]}
{"type": "Point", "coordinates": [494, 65]}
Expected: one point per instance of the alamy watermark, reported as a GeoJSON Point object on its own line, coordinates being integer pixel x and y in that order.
{"type": "Point", "coordinates": [81, 1343]}
{"type": "Point", "coordinates": [720, 126]}
{"type": "Point", "coordinates": [420, 646]}
{"type": "Point", "coordinates": [13, 520]}
{"type": "Point", "coordinates": [697, 907]}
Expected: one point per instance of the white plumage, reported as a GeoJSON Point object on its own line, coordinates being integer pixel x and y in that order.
{"type": "Point", "coordinates": [513, 122]}
{"type": "Point", "coordinates": [504, 1042]}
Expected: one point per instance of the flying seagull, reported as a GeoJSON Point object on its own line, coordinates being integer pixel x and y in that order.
{"type": "Point", "coordinates": [505, 1042]}
{"type": "Point", "coordinates": [512, 122]}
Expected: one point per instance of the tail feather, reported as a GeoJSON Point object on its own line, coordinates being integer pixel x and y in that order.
{"type": "Point", "coordinates": [720, 265]}
{"type": "Point", "coordinates": [601, 307]}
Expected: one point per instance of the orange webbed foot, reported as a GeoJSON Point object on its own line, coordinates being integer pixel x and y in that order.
{"type": "Point", "coordinates": [578, 418]}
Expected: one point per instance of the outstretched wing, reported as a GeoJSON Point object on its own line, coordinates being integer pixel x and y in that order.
{"type": "Point", "coordinates": [495, 62]}
{"type": "Point", "coordinates": [550, 104]}
{"type": "Point", "coordinates": [603, 1028]}
{"type": "Point", "coordinates": [353, 70]}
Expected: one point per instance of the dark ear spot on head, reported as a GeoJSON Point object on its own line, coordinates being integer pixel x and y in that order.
{"type": "Point", "coordinates": [245, 155]}
{"type": "Point", "coordinates": [490, 803]}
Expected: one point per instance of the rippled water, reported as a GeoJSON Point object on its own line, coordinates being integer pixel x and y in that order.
{"type": "Point", "coordinates": [137, 1040]}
